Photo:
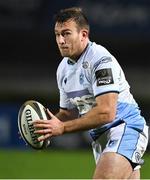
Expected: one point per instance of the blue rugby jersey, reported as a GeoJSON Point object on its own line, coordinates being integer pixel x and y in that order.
{"type": "Point", "coordinates": [95, 73]}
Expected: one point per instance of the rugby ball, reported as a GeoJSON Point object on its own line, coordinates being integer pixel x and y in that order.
{"type": "Point", "coordinates": [31, 110]}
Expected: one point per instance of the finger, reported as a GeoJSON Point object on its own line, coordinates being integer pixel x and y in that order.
{"type": "Point", "coordinates": [44, 137]}
{"type": "Point", "coordinates": [41, 126]}
{"type": "Point", "coordinates": [51, 115]}
{"type": "Point", "coordinates": [41, 138]}
{"type": "Point", "coordinates": [35, 122]}
{"type": "Point", "coordinates": [42, 131]}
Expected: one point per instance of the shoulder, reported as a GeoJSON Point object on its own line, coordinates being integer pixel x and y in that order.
{"type": "Point", "coordinates": [62, 65]}
{"type": "Point", "coordinates": [98, 55]}
{"type": "Point", "coordinates": [99, 50]}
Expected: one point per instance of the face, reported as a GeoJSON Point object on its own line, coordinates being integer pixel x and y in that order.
{"type": "Point", "coordinates": [70, 40]}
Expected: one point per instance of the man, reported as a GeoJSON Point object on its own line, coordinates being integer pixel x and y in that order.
{"type": "Point", "coordinates": [95, 96]}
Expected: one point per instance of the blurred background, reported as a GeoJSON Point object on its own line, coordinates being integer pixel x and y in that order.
{"type": "Point", "coordinates": [29, 58]}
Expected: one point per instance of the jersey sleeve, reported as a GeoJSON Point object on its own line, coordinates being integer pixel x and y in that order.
{"type": "Point", "coordinates": [105, 76]}
{"type": "Point", "coordinates": [64, 101]}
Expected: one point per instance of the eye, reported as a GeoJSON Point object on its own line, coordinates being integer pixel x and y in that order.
{"type": "Point", "coordinates": [57, 34]}
{"type": "Point", "coordinates": [65, 34]}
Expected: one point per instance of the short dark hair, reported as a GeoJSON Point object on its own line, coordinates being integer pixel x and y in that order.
{"type": "Point", "coordinates": [74, 13]}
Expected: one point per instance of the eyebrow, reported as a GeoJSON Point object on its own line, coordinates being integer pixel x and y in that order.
{"type": "Point", "coordinates": [63, 30]}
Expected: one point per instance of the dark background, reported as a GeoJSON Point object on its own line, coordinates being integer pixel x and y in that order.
{"type": "Point", "coordinates": [29, 55]}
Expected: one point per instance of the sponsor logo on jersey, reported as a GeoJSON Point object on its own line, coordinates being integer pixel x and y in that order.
{"type": "Point", "coordinates": [81, 78]}
{"type": "Point", "coordinates": [104, 77]}
{"type": "Point", "coordinates": [82, 100]}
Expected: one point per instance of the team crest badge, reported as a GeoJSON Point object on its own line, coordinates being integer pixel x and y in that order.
{"type": "Point", "coordinates": [85, 65]}
{"type": "Point", "coordinates": [137, 157]}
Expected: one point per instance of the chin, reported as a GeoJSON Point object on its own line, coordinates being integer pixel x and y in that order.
{"type": "Point", "coordinates": [65, 54]}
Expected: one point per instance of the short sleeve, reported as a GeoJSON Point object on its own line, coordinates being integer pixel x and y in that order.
{"type": "Point", "coordinates": [105, 76]}
{"type": "Point", "coordinates": [64, 101]}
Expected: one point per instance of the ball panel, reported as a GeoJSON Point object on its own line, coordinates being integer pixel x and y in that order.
{"type": "Point", "coordinates": [30, 111]}
{"type": "Point", "coordinates": [27, 127]}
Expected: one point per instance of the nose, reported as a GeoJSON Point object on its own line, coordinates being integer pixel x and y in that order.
{"type": "Point", "coordinates": [60, 39]}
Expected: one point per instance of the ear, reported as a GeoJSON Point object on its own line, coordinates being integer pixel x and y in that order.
{"type": "Point", "coordinates": [84, 33]}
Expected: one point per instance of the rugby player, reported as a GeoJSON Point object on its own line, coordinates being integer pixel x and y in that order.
{"type": "Point", "coordinates": [95, 96]}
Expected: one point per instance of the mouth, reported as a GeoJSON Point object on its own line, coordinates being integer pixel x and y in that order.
{"type": "Point", "coordinates": [63, 48]}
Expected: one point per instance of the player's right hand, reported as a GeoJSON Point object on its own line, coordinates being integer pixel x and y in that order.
{"type": "Point", "coordinates": [47, 129]}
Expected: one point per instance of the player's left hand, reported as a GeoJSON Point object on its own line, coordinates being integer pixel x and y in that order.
{"type": "Point", "coordinates": [52, 127]}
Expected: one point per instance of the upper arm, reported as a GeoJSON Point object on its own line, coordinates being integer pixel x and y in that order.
{"type": "Point", "coordinates": [107, 104]}
{"type": "Point", "coordinates": [106, 76]}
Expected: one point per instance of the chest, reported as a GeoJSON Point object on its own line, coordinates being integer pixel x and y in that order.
{"type": "Point", "coordinates": [76, 78]}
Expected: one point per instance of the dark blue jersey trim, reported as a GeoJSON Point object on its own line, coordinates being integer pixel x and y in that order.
{"type": "Point", "coordinates": [63, 108]}
{"type": "Point", "coordinates": [106, 93]}
{"type": "Point", "coordinates": [97, 132]}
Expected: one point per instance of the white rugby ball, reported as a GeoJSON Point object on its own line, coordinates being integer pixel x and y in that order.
{"type": "Point", "coordinates": [31, 110]}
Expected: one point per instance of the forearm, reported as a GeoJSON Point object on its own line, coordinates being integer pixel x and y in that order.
{"type": "Point", "coordinates": [56, 127]}
{"type": "Point", "coordinates": [67, 120]}
{"type": "Point", "coordinates": [65, 115]}
{"type": "Point", "coordinates": [91, 120]}
{"type": "Point", "coordinates": [62, 116]}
